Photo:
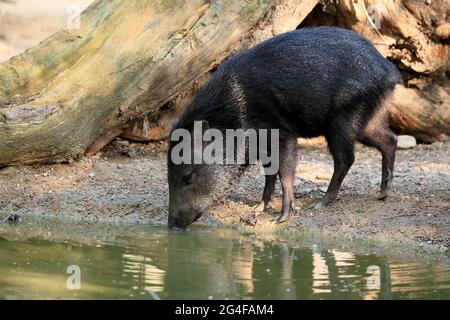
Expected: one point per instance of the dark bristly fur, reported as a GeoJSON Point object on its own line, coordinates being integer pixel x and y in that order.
{"type": "Point", "coordinates": [309, 82]}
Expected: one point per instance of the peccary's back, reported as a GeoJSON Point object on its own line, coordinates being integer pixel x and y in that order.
{"type": "Point", "coordinates": [300, 80]}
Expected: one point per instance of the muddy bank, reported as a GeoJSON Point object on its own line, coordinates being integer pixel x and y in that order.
{"type": "Point", "coordinates": [127, 183]}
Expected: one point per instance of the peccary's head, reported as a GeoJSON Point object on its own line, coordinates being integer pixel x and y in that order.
{"type": "Point", "coordinates": [190, 192]}
{"type": "Point", "coordinates": [194, 187]}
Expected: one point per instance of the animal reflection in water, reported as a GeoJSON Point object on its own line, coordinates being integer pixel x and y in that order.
{"type": "Point", "coordinates": [232, 269]}
{"type": "Point", "coordinates": [152, 263]}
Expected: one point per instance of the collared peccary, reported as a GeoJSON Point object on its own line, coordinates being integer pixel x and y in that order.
{"type": "Point", "coordinates": [310, 82]}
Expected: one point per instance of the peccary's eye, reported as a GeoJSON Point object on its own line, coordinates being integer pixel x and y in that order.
{"type": "Point", "coordinates": [189, 178]}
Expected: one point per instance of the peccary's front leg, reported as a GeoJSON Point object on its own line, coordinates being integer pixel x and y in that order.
{"type": "Point", "coordinates": [288, 163]}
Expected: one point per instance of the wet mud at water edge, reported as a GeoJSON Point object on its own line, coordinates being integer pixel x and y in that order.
{"type": "Point", "coordinates": [127, 183]}
{"type": "Point", "coordinates": [53, 258]}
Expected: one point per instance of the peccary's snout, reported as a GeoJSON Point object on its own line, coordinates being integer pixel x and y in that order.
{"type": "Point", "coordinates": [183, 217]}
{"type": "Point", "coordinates": [172, 222]}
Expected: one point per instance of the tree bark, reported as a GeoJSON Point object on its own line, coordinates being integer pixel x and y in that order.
{"type": "Point", "coordinates": [78, 89]}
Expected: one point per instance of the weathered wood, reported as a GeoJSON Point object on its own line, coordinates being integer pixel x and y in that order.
{"type": "Point", "coordinates": [422, 109]}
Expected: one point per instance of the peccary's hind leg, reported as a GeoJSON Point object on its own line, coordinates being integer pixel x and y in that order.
{"type": "Point", "coordinates": [269, 189]}
{"type": "Point", "coordinates": [385, 141]}
{"type": "Point", "coordinates": [341, 147]}
{"type": "Point", "coordinates": [288, 163]}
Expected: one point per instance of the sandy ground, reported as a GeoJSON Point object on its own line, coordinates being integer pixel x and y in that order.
{"type": "Point", "coordinates": [127, 183]}
{"type": "Point", "coordinates": [24, 23]}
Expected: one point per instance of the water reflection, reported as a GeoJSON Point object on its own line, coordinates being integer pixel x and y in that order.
{"type": "Point", "coordinates": [154, 263]}
{"type": "Point", "coordinates": [148, 277]}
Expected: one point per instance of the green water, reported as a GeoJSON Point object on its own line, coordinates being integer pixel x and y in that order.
{"type": "Point", "coordinates": [144, 262]}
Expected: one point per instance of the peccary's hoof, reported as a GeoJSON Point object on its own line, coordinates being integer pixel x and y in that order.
{"type": "Point", "coordinates": [283, 218]}
{"type": "Point", "coordinates": [382, 196]}
{"type": "Point", "coordinates": [260, 207]}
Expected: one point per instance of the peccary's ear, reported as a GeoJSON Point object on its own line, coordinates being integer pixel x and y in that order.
{"type": "Point", "coordinates": [174, 123]}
